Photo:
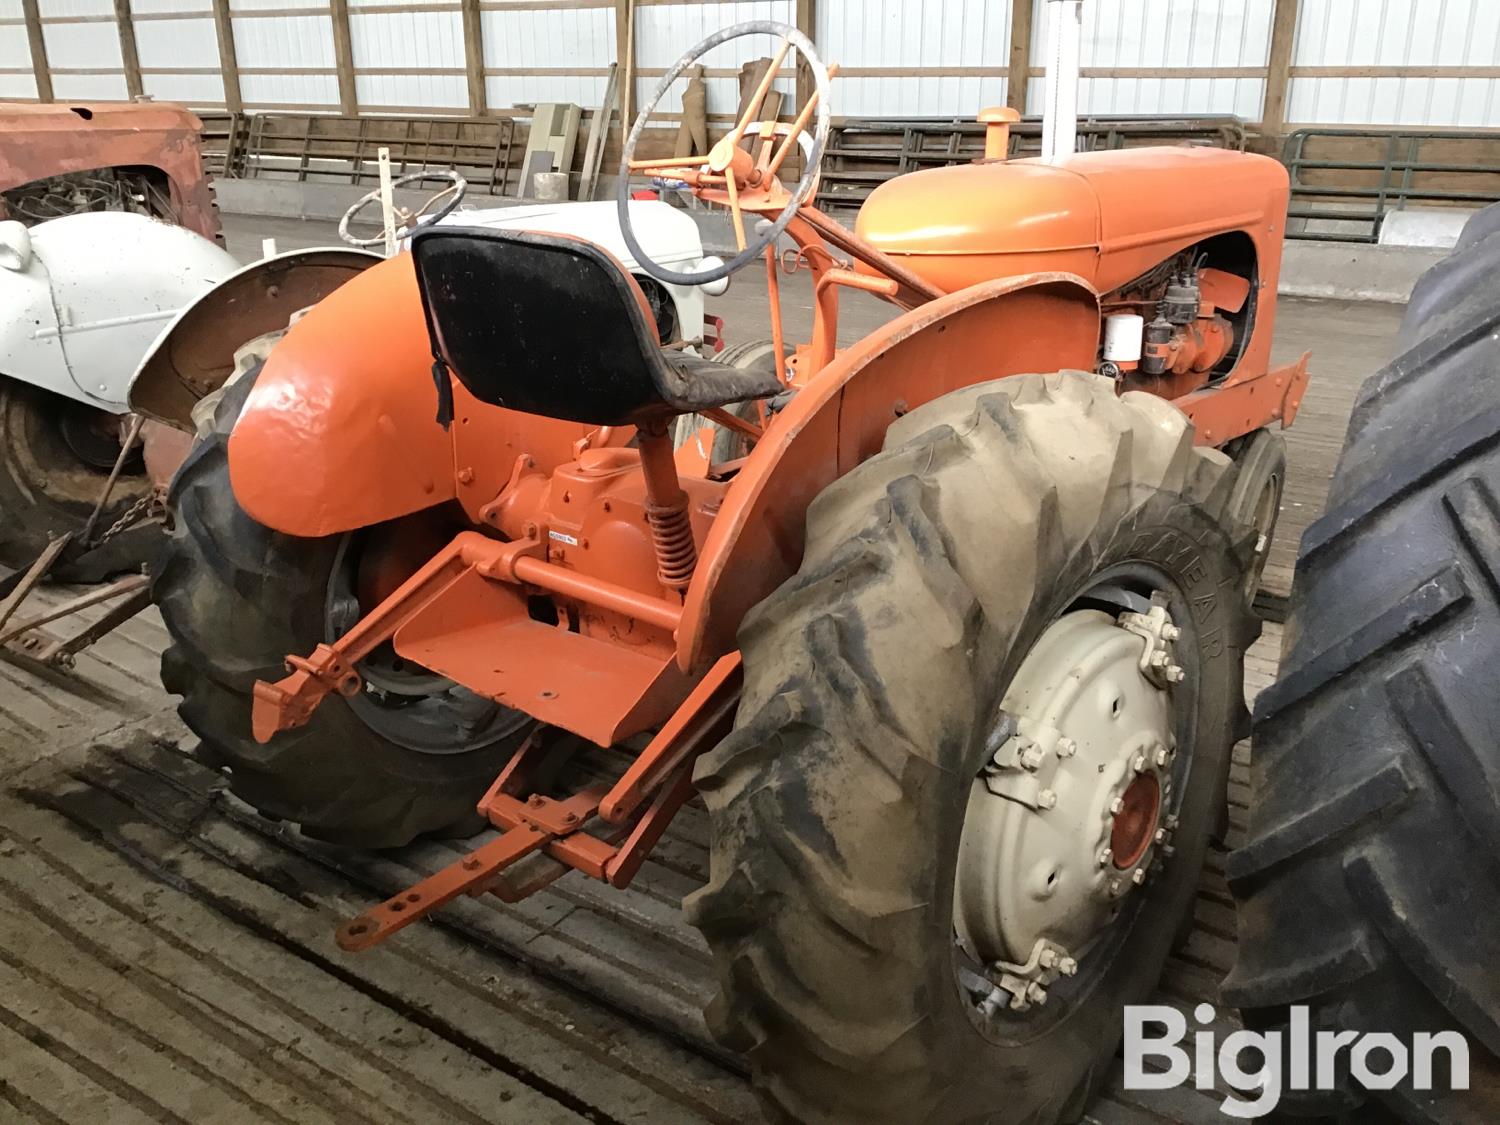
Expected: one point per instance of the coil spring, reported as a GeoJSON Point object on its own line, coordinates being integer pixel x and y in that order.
{"type": "Point", "coordinates": [672, 536]}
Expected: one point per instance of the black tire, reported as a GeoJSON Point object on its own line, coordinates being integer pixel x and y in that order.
{"type": "Point", "coordinates": [236, 598]}
{"type": "Point", "coordinates": [1260, 458]}
{"type": "Point", "coordinates": [1369, 886]}
{"type": "Point", "coordinates": [836, 804]}
{"type": "Point", "coordinates": [45, 488]}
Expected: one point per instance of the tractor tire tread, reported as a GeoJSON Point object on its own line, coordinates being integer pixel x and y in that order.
{"type": "Point", "coordinates": [1375, 777]}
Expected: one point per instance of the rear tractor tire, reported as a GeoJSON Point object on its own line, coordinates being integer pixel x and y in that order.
{"type": "Point", "coordinates": [984, 738]}
{"type": "Point", "coordinates": [409, 755]}
{"type": "Point", "coordinates": [1369, 886]}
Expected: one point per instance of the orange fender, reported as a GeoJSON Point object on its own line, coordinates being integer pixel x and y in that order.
{"type": "Point", "coordinates": [340, 431]}
{"type": "Point", "coordinates": [1010, 326]}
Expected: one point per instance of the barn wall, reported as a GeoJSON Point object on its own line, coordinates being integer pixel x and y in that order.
{"type": "Point", "coordinates": [1355, 62]}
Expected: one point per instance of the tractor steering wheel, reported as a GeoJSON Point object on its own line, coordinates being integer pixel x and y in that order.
{"type": "Point", "coordinates": [728, 166]}
{"type": "Point", "coordinates": [406, 221]}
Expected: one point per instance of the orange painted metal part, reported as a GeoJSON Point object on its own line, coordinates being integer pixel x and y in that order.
{"type": "Point", "coordinates": [662, 774]}
{"type": "Point", "coordinates": [455, 616]}
{"type": "Point", "coordinates": [999, 267]}
{"type": "Point", "coordinates": [340, 431]}
{"type": "Point", "coordinates": [52, 139]}
{"type": "Point", "coordinates": [839, 419]}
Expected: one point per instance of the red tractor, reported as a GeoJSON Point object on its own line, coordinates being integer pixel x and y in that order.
{"type": "Point", "coordinates": [945, 628]}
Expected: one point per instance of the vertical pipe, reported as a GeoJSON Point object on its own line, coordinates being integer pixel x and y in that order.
{"type": "Point", "coordinates": [1060, 111]}
{"type": "Point", "coordinates": [387, 202]}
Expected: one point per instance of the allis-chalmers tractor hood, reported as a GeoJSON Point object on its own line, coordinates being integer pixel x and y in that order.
{"type": "Point", "coordinates": [1106, 216]}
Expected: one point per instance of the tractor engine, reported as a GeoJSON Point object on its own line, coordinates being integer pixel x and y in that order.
{"type": "Point", "coordinates": [1174, 322]}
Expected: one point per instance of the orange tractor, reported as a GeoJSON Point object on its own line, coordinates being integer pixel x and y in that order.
{"type": "Point", "coordinates": [945, 628]}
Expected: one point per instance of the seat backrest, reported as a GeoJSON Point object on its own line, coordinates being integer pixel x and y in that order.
{"type": "Point", "coordinates": [541, 323]}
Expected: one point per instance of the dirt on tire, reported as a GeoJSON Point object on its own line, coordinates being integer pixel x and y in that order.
{"type": "Point", "coordinates": [871, 679]}
{"type": "Point", "coordinates": [236, 598]}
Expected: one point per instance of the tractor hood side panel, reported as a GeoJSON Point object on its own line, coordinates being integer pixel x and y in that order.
{"type": "Point", "coordinates": [341, 432]}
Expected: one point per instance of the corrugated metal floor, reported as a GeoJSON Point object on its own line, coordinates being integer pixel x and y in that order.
{"type": "Point", "coordinates": [166, 954]}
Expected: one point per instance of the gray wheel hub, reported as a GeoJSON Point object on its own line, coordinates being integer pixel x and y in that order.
{"type": "Point", "coordinates": [1069, 813]}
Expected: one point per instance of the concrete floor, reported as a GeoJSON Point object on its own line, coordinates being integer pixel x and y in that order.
{"type": "Point", "coordinates": [166, 954]}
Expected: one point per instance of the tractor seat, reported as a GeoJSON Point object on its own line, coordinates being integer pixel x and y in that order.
{"type": "Point", "coordinates": [553, 325]}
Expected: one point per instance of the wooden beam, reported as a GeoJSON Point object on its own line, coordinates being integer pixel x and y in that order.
{"type": "Point", "coordinates": [474, 58]}
{"type": "Point", "coordinates": [229, 64]}
{"type": "Point", "coordinates": [1021, 14]}
{"type": "Point", "coordinates": [625, 56]}
{"type": "Point", "coordinates": [1279, 69]}
{"type": "Point", "coordinates": [39, 66]}
{"type": "Point", "coordinates": [130, 59]}
{"type": "Point", "coordinates": [807, 23]}
{"type": "Point", "coordinates": [343, 57]}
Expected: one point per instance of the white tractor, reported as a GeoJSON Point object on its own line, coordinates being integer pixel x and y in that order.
{"type": "Point", "coordinates": [82, 297]}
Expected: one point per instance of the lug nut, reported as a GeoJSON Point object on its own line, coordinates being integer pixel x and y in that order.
{"type": "Point", "coordinates": [1067, 967]}
{"type": "Point", "coordinates": [1138, 876]}
{"type": "Point", "coordinates": [1105, 856]}
{"type": "Point", "coordinates": [1160, 837]}
{"type": "Point", "coordinates": [1175, 674]}
{"type": "Point", "coordinates": [1115, 887]}
{"type": "Point", "coordinates": [1170, 632]}
{"type": "Point", "coordinates": [1116, 805]}
{"type": "Point", "coordinates": [1036, 993]}
{"type": "Point", "coordinates": [1048, 958]}
{"type": "Point", "coordinates": [1158, 659]}
{"type": "Point", "coordinates": [1138, 763]}
{"type": "Point", "coordinates": [1162, 757]}
{"type": "Point", "coordinates": [1047, 799]}
{"type": "Point", "coordinates": [1031, 757]}
{"type": "Point", "coordinates": [1066, 747]}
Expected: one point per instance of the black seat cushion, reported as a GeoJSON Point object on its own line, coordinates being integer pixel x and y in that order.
{"type": "Point", "coordinates": [553, 325]}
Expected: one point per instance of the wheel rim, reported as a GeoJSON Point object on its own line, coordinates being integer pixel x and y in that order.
{"type": "Point", "coordinates": [399, 700]}
{"type": "Point", "coordinates": [1071, 816]}
{"type": "Point", "coordinates": [63, 454]}
{"type": "Point", "coordinates": [1267, 508]}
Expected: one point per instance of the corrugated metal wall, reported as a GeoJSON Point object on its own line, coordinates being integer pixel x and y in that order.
{"type": "Point", "coordinates": [1230, 40]}
{"type": "Point", "coordinates": [16, 79]}
{"type": "Point", "coordinates": [948, 57]}
{"type": "Point", "coordinates": [1358, 62]}
{"type": "Point", "coordinates": [1373, 62]}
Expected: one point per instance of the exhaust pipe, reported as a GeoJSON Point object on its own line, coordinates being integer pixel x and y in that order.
{"type": "Point", "coordinates": [1060, 112]}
